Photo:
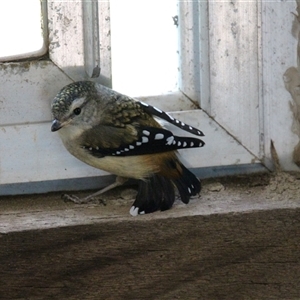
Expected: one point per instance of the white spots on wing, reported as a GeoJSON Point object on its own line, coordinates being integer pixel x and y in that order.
{"type": "Point", "coordinates": [184, 144]}
{"type": "Point", "coordinates": [97, 148]}
{"type": "Point", "coordinates": [192, 144]}
{"type": "Point", "coordinates": [142, 212]}
{"type": "Point", "coordinates": [171, 118]}
{"type": "Point", "coordinates": [126, 149]}
{"type": "Point", "coordinates": [90, 148]}
{"type": "Point", "coordinates": [134, 211]}
{"type": "Point", "coordinates": [159, 136]}
{"type": "Point", "coordinates": [170, 140]}
{"type": "Point", "coordinates": [131, 147]}
{"type": "Point", "coordinates": [174, 142]}
{"type": "Point", "coordinates": [189, 190]}
{"type": "Point", "coordinates": [158, 110]}
{"type": "Point", "coordinates": [145, 140]}
{"type": "Point", "coordinates": [146, 132]}
{"type": "Point", "coordinates": [179, 144]}
{"type": "Point", "coordinates": [118, 152]}
{"type": "Point", "coordinates": [138, 143]}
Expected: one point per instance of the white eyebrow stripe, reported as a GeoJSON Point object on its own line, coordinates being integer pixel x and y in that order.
{"type": "Point", "coordinates": [77, 102]}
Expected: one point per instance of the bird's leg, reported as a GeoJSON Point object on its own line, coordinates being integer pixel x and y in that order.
{"type": "Point", "coordinates": [119, 181]}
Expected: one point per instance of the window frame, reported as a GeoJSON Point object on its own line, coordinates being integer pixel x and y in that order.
{"type": "Point", "coordinates": [224, 153]}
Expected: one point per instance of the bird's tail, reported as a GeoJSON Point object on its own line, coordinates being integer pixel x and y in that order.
{"type": "Point", "coordinates": [187, 184]}
{"type": "Point", "coordinates": [158, 191]}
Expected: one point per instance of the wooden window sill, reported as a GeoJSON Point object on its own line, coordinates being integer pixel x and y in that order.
{"type": "Point", "coordinates": [239, 240]}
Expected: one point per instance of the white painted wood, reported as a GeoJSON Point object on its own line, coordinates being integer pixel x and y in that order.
{"type": "Point", "coordinates": [194, 76]}
{"type": "Point", "coordinates": [66, 43]}
{"type": "Point", "coordinates": [33, 153]}
{"type": "Point", "coordinates": [79, 39]}
{"type": "Point", "coordinates": [189, 49]}
{"type": "Point", "coordinates": [30, 152]}
{"type": "Point", "coordinates": [279, 54]}
{"type": "Point", "coordinates": [91, 38]}
{"type": "Point", "coordinates": [105, 43]}
{"type": "Point", "coordinates": [27, 89]}
{"type": "Point", "coordinates": [174, 101]}
{"type": "Point", "coordinates": [249, 48]}
{"type": "Point", "coordinates": [233, 40]}
{"type": "Point", "coordinates": [246, 94]}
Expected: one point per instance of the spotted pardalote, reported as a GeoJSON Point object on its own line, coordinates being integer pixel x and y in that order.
{"type": "Point", "coordinates": [123, 136]}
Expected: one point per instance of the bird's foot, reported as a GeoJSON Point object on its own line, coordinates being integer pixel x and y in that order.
{"type": "Point", "coordinates": [86, 200]}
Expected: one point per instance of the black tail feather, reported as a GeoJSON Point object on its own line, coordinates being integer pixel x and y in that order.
{"type": "Point", "coordinates": [188, 185]}
{"type": "Point", "coordinates": [158, 192]}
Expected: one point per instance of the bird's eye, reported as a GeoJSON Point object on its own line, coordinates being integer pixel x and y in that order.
{"type": "Point", "coordinates": [77, 111]}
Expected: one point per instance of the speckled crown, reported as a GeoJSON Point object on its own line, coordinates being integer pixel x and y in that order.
{"type": "Point", "coordinates": [62, 101]}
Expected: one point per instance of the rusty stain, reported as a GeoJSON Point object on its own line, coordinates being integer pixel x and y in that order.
{"type": "Point", "coordinates": [291, 80]}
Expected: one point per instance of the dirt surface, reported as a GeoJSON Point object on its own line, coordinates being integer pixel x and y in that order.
{"type": "Point", "coordinates": [219, 195]}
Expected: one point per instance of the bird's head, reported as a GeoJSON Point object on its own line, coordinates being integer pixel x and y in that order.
{"type": "Point", "coordinates": [73, 105]}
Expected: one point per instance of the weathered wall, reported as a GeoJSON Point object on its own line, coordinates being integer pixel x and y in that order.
{"type": "Point", "coordinates": [292, 84]}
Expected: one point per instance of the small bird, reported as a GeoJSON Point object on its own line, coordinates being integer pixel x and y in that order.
{"type": "Point", "coordinates": [123, 136]}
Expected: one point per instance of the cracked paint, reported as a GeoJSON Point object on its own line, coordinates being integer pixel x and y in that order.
{"type": "Point", "coordinates": [291, 80]}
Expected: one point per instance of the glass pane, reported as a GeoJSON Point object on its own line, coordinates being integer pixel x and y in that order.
{"type": "Point", "coordinates": [20, 28]}
{"type": "Point", "coordinates": [144, 43]}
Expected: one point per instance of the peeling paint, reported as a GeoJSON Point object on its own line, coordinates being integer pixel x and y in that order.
{"type": "Point", "coordinates": [291, 80]}
{"type": "Point", "coordinates": [18, 68]}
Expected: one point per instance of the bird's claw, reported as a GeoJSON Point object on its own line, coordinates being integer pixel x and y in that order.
{"type": "Point", "coordinates": [71, 198]}
{"type": "Point", "coordinates": [77, 200]}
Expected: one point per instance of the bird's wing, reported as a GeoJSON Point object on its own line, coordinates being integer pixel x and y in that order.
{"type": "Point", "coordinates": [131, 140]}
{"type": "Point", "coordinates": [124, 108]}
{"type": "Point", "coordinates": [167, 117]}
{"type": "Point", "coordinates": [126, 127]}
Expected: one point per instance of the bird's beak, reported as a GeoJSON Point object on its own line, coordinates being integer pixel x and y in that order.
{"type": "Point", "coordinates": [56, 125]}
